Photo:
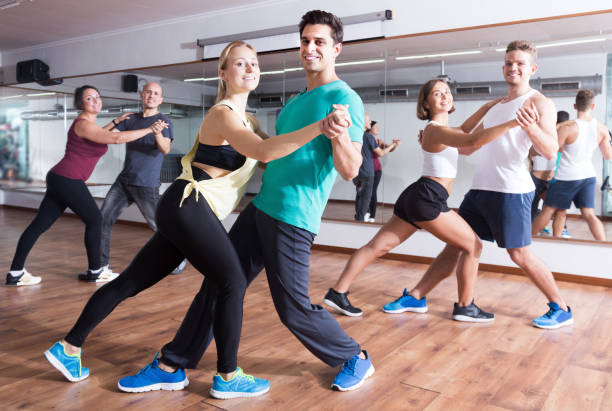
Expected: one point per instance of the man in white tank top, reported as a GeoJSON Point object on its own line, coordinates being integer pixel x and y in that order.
{"type": "Point", "coordinates": [576, 177]}
{"type": "Point", "coordinates": [498, 207]}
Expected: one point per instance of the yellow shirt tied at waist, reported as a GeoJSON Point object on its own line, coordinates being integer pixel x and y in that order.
{"type": "Point", "coordinates": [223, 193]}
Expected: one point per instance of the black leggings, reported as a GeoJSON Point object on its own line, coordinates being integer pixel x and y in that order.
{"type": "Point", "coordinates": [62, 193]}
{"type": "Point", "coordinates": [192, 231]}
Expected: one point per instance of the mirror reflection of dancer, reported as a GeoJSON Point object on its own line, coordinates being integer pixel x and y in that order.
{"type": "Point", "coordinates": [381, 150]}
{"type": "Point", "coordinates": [66, 188]}
{"type": "Point", "coordinates": [139, 180]}
{"type": "Point", "coordinates": [214, 179]}
{"type": "Point", "coordinates": [423, 205]}
{"type": "Point", "coordinates": [543, 173]}
{"type": "Point", "coordinates": [498, 207]}
{"type": "Point", "coordinates": [575, 179]}
{"type": "Point", "coordinates": [277, 229]}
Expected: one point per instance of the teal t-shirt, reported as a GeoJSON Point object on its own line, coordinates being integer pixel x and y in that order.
{"type": "Point", "coordinates": [295, 188]}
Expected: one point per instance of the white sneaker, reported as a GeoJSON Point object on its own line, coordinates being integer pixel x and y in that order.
{"type": "Point", "coordinates": [366, 217]}
{"type": "Point", "coordinates": [371, 220]}
{"type": "Point", "coordinates": [24, 279]}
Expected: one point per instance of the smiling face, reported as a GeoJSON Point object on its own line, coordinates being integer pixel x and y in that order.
{"type": "Point", "coordinates": [518, 67]}
{"type": "Point", "coordinates": [375, 130]}
{"type": "Point", "coordinates": [241, 72]}
{"type": "Point", "coordinates": [92, 103]}
{"type": "Point", "coordinates": [439, 100]}
{"type": "Point", "coordinates": [151, 95]}
{"type": "Point", "coordinates": [317, 49]}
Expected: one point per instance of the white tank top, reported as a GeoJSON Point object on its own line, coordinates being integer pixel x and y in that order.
{"type": "Point", "coordinates": [540, 163]}
{"type": "Point", "coordinates": [442, 164]}
{"type": "Point", "coordinates": [577, 158]}
{"type": "Point", "coordinates": [502, 163]}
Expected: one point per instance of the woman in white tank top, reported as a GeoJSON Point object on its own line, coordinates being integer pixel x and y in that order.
{"type": "Point", "coordinates": [423, 203]}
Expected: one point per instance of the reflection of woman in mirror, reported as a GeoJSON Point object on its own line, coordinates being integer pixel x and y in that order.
{"type": "Point", "coordinates": [381, 150]}
{"type": "Point", "coordinates": [66, 188]}
{"type": "Point", "coordinates": [215, 174]}
{"type": "Point", "coordinates": [423, 205]}
{"type": "Point", "coordinates": [576, 176]}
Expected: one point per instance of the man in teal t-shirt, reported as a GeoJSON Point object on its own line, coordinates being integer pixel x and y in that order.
{"type": "Point", "coordinates": [277, 229]}
{"type": "Point", "coordinates": [296, 188]}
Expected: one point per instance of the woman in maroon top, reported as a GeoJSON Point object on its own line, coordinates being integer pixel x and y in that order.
{"type": "Point", "coordinates": [66, 188]}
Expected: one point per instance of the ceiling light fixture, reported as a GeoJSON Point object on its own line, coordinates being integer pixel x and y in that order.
{"type": "Point", "coordinates": [563, 43]}
{"type": "Point", "coordinates": [425, 56]}
{"type": "Point", "coordinates": [290, 69]}
{"type": "Point", "coordinates": [49, 93]}
{"type": "Point", "coordinates": [7, 97]}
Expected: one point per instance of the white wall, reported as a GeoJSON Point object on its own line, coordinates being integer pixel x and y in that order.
{"type": "Point", "coordinates": [172, 41]}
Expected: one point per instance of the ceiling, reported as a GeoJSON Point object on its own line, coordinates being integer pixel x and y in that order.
{"type": "Point", "coordinates": [35, 22]}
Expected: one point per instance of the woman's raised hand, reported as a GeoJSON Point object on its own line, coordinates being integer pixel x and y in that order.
{"type": "Point", "coordinates": [158, 126]}
{"type": "Point", "coordinates": [527, 116]}
{"type": "Point", "coordinates": [336, 122]}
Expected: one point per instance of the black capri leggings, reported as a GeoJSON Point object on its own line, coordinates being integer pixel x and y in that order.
{"type": "Point", "coordinates": [192, 231]}
{"type": "Point", "coordinates": [62, 193]}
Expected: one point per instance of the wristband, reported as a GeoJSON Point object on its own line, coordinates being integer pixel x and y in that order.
{"type": "Point", "coordinates": [115, 124]}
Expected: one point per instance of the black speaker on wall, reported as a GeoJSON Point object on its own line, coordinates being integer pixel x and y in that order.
{"type": "Point", "coordinates": [129, 83]}
{"type": "Point", "coordinates": [32, 70]}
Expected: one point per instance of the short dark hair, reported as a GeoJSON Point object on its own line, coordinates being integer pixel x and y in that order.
{"type": "Point", "coordinates": [78, 95]}
{"type": "Point", "coordinates": [562, 116]}
{"type": "Point", "coordinates": [584, 99]}
{"type": "Point", "coordinates": [323, 17]}
{"type": "Point", "coordinates": [422, 112]}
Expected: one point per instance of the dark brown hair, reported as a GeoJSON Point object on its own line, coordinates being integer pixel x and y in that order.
{"type": "Point", "coordinates": [422, 112]}
{"type": "Point", "coordinates": [78, 95]}
{"type": "Point", "coordinates": [584, 99]}
{"type": "Point", "coordinates": [323, 17]}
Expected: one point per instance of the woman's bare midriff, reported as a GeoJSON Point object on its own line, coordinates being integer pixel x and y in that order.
{"type": "Point", "coordinates": [545, 175]}
{"type": "Point", "coordinates": [447, 183]}
{"type": "Point", "coordinates": [213, 172]}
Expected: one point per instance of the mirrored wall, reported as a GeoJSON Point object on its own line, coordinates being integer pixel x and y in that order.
{"type": "Point", "coordinates": [387, 74]}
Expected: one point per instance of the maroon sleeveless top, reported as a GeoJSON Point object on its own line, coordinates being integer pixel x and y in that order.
{"type": "Point", "coordinates": [81, 156]}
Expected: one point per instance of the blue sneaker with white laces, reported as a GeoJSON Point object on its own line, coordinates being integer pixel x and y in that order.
{"type": "Point", "coordinates": [406, 303]}
{"type": "Point", "coordinates": [555, 317]}
{"type": "Point", "coordinates": [240, 385]}
{"type": "Point", "coordinates": [152, 378]}
{"type": "Point", "coordinates": [68, 365]}
{"type": "Point", "coordinates": [353, 373]}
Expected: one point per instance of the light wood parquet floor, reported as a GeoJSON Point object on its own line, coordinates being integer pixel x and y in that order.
{"type": "Point", "coordinates": [423, 361]}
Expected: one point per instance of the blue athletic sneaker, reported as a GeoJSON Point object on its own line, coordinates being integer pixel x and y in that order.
{"type": "Point", "coordinates": [406, 303]}
{"type": "Point", "coordinates": [69, 365]}
{"type": "Point", "coordinates": [353, 373]}
{"type": "Point", "coordinates": [241, 385]}
{"type": "Point", "coordinates": [152, 378]}
{"type": "Point", "coordinates": [555, 317]}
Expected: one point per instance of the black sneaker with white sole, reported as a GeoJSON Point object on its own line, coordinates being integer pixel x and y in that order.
{"type": "Point", "coordinates": [471, 313]}
{"type": "Point", "coordinates": [340, 302]}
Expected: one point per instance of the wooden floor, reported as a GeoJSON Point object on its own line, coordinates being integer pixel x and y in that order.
{"type": "Point", "coordinates": [423, 361]}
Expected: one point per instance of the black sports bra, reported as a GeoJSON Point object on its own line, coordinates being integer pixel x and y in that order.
{"type": "Point", "coordinates": [224, 156]}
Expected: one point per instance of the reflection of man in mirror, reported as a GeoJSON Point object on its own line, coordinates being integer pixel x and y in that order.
{"type": "Point", "coordinates": [365, 179]}
{"type": "Point", "coordinates": [139, 180]}
{"type": "Point", "coordinates": [576, 176]}
{"type": "Point", "coordinates": [498, 206]}
{"type": "Point", "coordinates": [543, 172]}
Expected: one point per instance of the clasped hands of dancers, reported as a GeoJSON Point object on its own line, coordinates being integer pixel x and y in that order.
{"type": "Point", "coordinates": [319, 135]}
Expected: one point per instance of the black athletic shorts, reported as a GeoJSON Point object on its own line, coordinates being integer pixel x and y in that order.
{"type": "Point", "coordinates": [422, 200]}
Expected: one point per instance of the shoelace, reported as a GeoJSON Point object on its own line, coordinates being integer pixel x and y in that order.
{"type": "Point", "coordinates": [241, 374]}
{"type": "Point", "coordinates": [146, 368]}
{"type": "Point", "coordinates": [350, 365]}
{"type": "Point", "coordinates": [550, 313]}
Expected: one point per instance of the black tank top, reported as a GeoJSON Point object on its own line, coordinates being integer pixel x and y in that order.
{"type": "Point", "coordinates": [225, 156]}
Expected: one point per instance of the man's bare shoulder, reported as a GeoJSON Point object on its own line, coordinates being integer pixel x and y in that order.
{"type": "Point", "coordinates": [567, 126]}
